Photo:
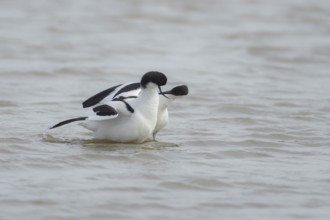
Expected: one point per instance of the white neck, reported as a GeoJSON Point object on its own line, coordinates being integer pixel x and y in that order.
{"type": "Point", "coordinates": [165, 102]}
{"type": "Point", "coordinates": [148, 102]}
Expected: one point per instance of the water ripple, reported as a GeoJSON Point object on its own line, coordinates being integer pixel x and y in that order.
{"type": "Point", "coordinates": [250, 141]}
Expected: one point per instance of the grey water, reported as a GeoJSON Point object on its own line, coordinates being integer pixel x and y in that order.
{"type": "Point", "coordinates": [250, 141]}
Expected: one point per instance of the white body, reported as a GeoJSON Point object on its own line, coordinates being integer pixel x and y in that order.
{"type": "Point", "coordinates": [162, 113]}
{"type": "Point", "coordinates": [134, 127]}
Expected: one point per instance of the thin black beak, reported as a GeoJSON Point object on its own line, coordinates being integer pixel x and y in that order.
{"type": "Point", "coordinates": [161, 93]}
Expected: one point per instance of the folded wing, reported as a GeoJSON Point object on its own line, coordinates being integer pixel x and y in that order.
{"type": "Point", "coordinates": [106, 96]}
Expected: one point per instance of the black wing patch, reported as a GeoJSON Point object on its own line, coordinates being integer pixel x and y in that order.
{"type": "Point", "coordinates": [128, 106]}
{"type": "Point", "coordinates": [105, 110]}
{"type": "Point", "coordinates": [68, 121]}
{"type": "Point", "coordinates": [129, 87]}
{"type": "Point", "coordinates": [121, 98]}
{"type": "Point", "coordinates": [98, 97]}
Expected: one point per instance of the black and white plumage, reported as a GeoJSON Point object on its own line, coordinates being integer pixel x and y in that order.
{"type": "Point", "coordinates": [122, 90]}
{"type": "Point", "coordinates": [119, 115]}
{"type": "Point", "coordinates": [129, 91]}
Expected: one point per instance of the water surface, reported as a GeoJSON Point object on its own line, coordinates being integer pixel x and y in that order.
{"type": "Point", "coordinates": [251, 141]}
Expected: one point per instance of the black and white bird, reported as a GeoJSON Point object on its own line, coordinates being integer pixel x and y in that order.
{"type": "Point", "coordinates": [164, 103]}
{"type": "Point", "coordinates": [125, 113]}
{"type": "Point", "coordinates": [129, 91]}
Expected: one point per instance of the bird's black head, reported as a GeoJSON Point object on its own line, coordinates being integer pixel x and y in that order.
{"type": "Point", "coordinates": [155, 77]}
{"type": "Point", "coordinates": [180, 90]}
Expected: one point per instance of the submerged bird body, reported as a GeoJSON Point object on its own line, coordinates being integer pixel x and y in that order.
{"type": "Point", "coordinates": [130, 112]}
{"type": "Point", "coordinates": [136, 127]}
{"type": "Point", "coordinates": [162, 112]}
{"type": "Point", "coordinates": [117, 120]}
{"type": "Point", "coordinates": [129, 92]}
